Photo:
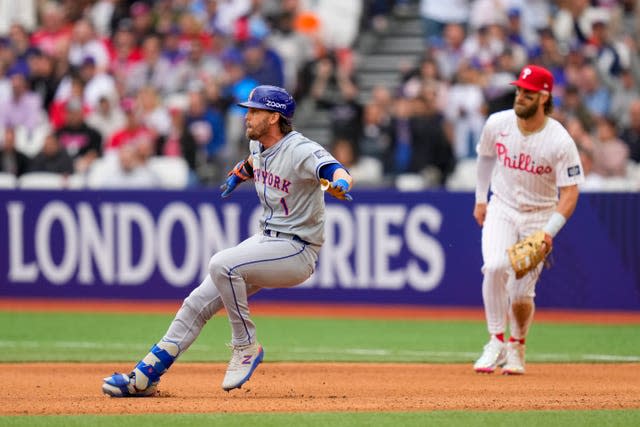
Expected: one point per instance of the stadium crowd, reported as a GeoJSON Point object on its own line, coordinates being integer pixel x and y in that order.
{"type": "Point", "coordinates": [101, 90]}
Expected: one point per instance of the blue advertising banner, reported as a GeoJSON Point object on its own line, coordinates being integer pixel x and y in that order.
{"type": "Point", "coordinates": [385, 247]}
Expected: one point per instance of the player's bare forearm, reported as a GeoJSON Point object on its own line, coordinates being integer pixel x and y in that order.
{"type": "Point", "coordinates": [568, 200]}
{"type": "Point", "coordinates": [343, 174]}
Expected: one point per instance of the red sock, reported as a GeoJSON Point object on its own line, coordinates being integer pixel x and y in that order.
{"type": "Point", "coordinates": [500, 336]}
{"type": "Point", "coordinates": [520, 340]}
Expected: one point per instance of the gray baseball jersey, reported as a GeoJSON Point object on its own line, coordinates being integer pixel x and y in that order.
{"type": "Point", "coordinates": [286, 177]}
{"type": "Point", "coordinates": [283, 254]}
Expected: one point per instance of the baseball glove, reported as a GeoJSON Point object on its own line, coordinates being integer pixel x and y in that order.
{"type": "Point", "coordinates": [526, 254]}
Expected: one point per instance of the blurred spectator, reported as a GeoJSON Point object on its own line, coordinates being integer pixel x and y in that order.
{"type": "Point", "coordinates": [198, 66]}
{"type": "Point", "coordinates": [100, 14]}
{"type": "Point", "coordinates": [97, 83]}
{"type": "Point", "coordinates": [179, 142]}
{"type": "Point", "coordinates": [427, 73]}
{"type": "Point", "coordinates": [625, 91]}
{"type": "Point", "coordinates": [21, 46]}
{"type": "Point", "coordinates": [133, 132]}
{"type": "Point", "coordinates": [596, 95]}
{"type": "Point", "coordinates": [22, 12]}
{"type": "Point", "coordinates": [11, 160]}
{"type": "Point", "coordinates": [376, 128]}
{"type": "Point", "coordinates": [206, 124]}
{"type": "Point", "coordinates": [592, 180]}
{"type": "Point", "coordinates": [608, 57]}
{"type": "Point", "coordinates": [107, 118]}
{"type": "Point", "coordinates": [130, 171]}
{"type": "Point", "coordinates": [74, 90]}
{"type": "Point", "coordinates": [466, 110]}
{"type": "Point", "coordinates": [262, 63]}
{"type": "Point", "coordinates": [53, 158]}
{"type": "Point", "coordinates": [42, 79]}
{"type": "Point", "coordinates": [153, 70]}
{"type": "Point", "coordinates": [481, 48]}
{"type": "Point", "coordinates": [340, 22]}
{"type": "Point", "coordinates": [436, 14]}
{"type": "Point", "coordinates": [610, 154]}
{"type": "Point", "coordinates": [572, 23]}
{"type": "Point", "coordinates": [366, 170]}
{"type": "Point", "coordinates": [236, 87]}
{"type": "Point", "coordinates": [54, 29]}
{"type": "Point", "coordinates": [485, 13]}
{"type": "Point", "coordinates": [334, 89]}
{"type": "Point", "coordinates": [574, 107]}
{"type": "Point", "coordinates": [449, 53]}
{"type": "Point", "coordinates": [24, 108]}
{"type": "Point", "coordinates": [398, 157]}
{"type": "Point", "coordinates": [125, 54]}
{"type": "Point", "coordinates": [431, 151]}
{"type": "Point", "coordinates": [497, 91]}
{"type": "Point", "coordinates": [631, 133]}
{"type": "Point", "coordinates": [85, 44]}
{"type": "Point", "coordinates": [153, 114]}
{"type": "Point", "coordinates": [82, 142]}
{"type": "Point", "coordinates": [294, 48]}
{"type": "Point", "coordinates": [141, 19]}
{"type": "Point", "coordinates": [252, 24]}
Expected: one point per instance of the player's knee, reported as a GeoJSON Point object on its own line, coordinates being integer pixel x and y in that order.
{"type": "Point", "coordinates": [218, 267]}
{"type": "Point", "coordinates": [495, 269]}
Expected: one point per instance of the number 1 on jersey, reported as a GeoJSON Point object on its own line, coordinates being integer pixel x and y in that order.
{"type": "Point", "coordinates": [283, 202]}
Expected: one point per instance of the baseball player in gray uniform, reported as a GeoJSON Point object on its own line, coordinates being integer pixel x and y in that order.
{"type": "Point", "coordinates": [290, 173]}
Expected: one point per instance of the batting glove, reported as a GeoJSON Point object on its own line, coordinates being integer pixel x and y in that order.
{"type": "Point", "coordinates": [229, 185]}
{"type": "Point", "coordinates": [337, 188]}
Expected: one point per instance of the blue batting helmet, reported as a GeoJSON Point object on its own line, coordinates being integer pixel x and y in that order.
{"type": "Point", "coordinates": [272, 98]}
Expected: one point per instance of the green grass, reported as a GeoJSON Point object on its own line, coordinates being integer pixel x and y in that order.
{"type": "Point", "coordinates": [95, 337]}
{"type": "Point", "coordinates": [410, 419]}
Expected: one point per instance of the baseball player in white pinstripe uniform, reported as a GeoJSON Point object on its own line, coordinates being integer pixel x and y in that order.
{"type": "Point", "coordinates": [528, 158]}
{"type": "Point", "coordinates": [290, 173]}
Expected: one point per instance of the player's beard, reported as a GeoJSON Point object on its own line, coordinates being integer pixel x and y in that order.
{"type": "Point", "coordinates": [257, 129]}
{"type": "Point", "coordinates": [526, 112]}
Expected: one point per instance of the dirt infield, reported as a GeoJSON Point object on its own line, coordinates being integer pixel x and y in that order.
{"type": "Point", "coordinates": [38, 389]}
{"type": "Point", "coordinates": [74, 388]}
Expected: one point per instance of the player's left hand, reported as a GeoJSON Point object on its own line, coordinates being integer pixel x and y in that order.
{"type": "Point", "coordinates": [337, 188]}
{"type": "Point", "coordinates": [229, 185]}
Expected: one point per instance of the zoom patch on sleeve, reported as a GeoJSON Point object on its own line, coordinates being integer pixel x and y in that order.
{"type": "Point", "coordinates": [573, 170]}
{"type": "Point", "coordinates": [321, 153]}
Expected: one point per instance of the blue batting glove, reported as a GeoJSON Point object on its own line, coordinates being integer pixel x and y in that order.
{"type": "Point", "coordinates": [229, 185]}
{"type": "Point", "coordinates": [337, 188]}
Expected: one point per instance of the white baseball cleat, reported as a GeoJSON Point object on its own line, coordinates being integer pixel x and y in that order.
{"type": "Point", "coordinates": [493, 356]}
{"type": "Point", "coordinates": [244, 360]}
{"type": "Point", "coordinates": [515, 359]}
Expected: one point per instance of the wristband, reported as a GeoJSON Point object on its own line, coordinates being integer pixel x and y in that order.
{"type": "Point", "coordinates": [554, 224]}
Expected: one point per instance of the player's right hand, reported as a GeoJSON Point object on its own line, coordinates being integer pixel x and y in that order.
{"type": "Point", "coordinates": [229, 185]}
{"type": "Point", "coordinates": [337, 188]}
{"type": "Point", "coordinates": [480, 213]}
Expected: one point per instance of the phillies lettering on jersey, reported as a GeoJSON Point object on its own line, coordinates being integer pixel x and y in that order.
{"type": "Point", "coordinates": [268, 178]}
{"type": "Point", "coordinates": [520, 161]}
{"type": "Point", "coordinates": [548, 157]}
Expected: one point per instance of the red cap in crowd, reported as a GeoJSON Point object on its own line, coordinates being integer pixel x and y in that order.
{"type": "Point", "coordinates": [533, 77]}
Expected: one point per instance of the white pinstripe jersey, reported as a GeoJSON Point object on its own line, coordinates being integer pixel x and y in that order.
{"type": "Point", "coordinates": [529, 168]}
{"type": "Point", "coordinates": [286, 176]}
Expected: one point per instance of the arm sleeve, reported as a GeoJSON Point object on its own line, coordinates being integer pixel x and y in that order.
{"type": "Point", "coordinates": [327, 171]}
{"type": "Point", "coordinates": [483, 177]}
